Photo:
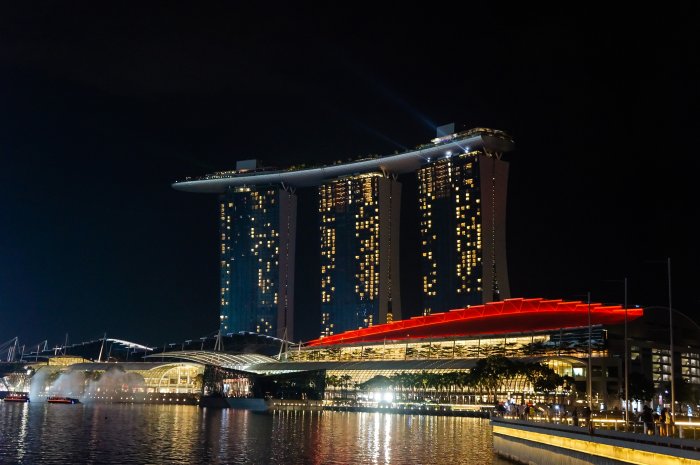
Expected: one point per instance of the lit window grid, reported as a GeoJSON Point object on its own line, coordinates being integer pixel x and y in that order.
{"type": "Point", "coordinates": [441, 181]}
{"type": "Point", "coordinates": [255, 212]}
{"type": "Point", "coordinates": [690, 367]}
{"type": "Point", "coordinates": [356, 198]}
{"type": "Point", "coordinates": [660, 366]}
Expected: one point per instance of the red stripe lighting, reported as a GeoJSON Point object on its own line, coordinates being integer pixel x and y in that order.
{"type": "Point", "coordinates": [508, 316]}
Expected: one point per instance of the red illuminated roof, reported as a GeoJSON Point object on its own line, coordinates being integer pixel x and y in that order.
{"type": "Point", "coordinates": [509, 316]}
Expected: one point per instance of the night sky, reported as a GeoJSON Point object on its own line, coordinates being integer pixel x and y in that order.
{"type": "Point", "coordinates": [102, 107]}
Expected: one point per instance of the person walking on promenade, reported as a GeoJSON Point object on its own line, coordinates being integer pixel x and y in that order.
{"type": "Point", "coordinates": [647, 418]}
{"type": "Point", "coordinates": [587, 414]}
{"type": "Point", "coordinates": [574, 416]}
{"type": "Point", "coordinates": [663, 421]}
{"type": "Point", "coordinates": [587, 417]}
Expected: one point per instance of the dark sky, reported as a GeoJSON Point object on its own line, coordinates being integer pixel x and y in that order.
{"type": "Point", "coordinates": [102, 107]}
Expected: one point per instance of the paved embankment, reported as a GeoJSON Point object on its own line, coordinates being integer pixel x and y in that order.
{"type": "Point", "coordinates": [546, 443]}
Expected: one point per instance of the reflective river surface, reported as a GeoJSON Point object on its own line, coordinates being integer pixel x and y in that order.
{"type": "Point", "coordinates": [39, 433]}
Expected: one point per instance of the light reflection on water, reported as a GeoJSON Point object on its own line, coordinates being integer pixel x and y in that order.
{"type": "Point", "coordinates": [40, 433]}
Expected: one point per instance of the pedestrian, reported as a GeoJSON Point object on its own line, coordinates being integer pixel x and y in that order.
{"type": "Point", "coordinates": [647, 418]}
{"type": "Point", "coordinates": [587, 414]}
{"type": "Point", "coordinates": [574, 416]}
{"type": "Point", "coordinates": [663, 420]}
{"type": "Point", "coordinates": [587, 417]}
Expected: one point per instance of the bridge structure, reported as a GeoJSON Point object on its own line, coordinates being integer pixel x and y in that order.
{"type": "Point", "coordinates": [239, 362]}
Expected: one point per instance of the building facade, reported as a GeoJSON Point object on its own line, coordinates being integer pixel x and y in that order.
{"type": "Point", "coordinates": [359, 230]}
{"type": "Point", "coordinates": [462, 203]}
{"type": "Point", "coordinates": [258, 233]}
{"type": "Point", "coordinates": [552, 332]}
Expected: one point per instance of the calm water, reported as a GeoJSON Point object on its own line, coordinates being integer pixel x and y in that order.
{"type": "Point", "coordinates": [39, 433]}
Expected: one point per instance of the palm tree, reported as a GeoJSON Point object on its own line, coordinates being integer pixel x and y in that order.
{"type": "Point", "coordinates": [490, 373]}
{"type": "Point", "coordinates": [333, 381]}
{"type": "Point", "coordinates": [198, 383]}
{"type": "Point", "coordinates": [400, 381]}
{"type": "Point", "coordinates": [378, 382]}
{"type": "Point", "coordinates": [345, 381]}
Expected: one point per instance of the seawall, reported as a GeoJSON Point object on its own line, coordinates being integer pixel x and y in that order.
{"type": "Point", "coordinates": [546, 443]}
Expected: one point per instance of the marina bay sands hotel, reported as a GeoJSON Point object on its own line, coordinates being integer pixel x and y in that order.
{"type": "Point", "coordinates": [461, 203]}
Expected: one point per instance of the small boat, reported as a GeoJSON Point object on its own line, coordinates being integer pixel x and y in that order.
{"type": "Point", "coordinates": [17, 397]}
{"type": "Point", "coordinates": [62, 400]}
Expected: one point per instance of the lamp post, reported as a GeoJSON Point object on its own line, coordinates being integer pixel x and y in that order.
{"type": "Point", "coordinates": [627, 366]}
{"type": "Point", "coordinates": [625, 357]}
{"type": "Point", "coordinates": [670, 328]}
{"type": "Point", "coordinates": [589, 387]}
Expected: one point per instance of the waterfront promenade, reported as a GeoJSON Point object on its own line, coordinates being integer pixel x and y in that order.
{"type": "Point", "coordinates": [534, 442]}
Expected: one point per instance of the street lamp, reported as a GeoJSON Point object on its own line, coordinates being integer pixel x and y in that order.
{"type": "Point", "coordinates": [627, 366]}
{"type": "Point", "coordinates": [589, 387]}
{"type": "Point", "coordinates": [670, 328]}
{"type": "Point", "coordinates": [626, 357]}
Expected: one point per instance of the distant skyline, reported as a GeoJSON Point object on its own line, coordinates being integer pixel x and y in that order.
{"type": "Point", "coordinates": [104, 106]}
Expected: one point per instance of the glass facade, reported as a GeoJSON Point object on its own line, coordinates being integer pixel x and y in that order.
{"type": "Point", "coordinates": [461, 209]}
{"type": "Point", "coordinates": [257, 232]}
{"type": "Point", "coordinates": [359, 252]}
{"type": "Point", "coordinates": [570, 343]}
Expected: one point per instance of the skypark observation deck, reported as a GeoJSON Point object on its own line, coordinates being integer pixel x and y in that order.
{"type": "Point", "coordinates": [488, 140]}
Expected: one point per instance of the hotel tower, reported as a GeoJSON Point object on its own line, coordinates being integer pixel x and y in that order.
{"type": "Point", "coordinates": [462, 206]}
{"type": "Point", "coordinates": [258, 231]}
{"type": "Point", "coordinates": [359, 223]}
{"type": "Point", "coordinates": [462, 185]}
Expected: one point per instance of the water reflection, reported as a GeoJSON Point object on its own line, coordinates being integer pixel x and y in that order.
{"type": "Point", "coordinates": [181, 434]}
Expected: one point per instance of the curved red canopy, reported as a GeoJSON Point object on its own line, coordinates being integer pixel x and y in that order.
{"type": "Point", "coordinates": [509, 316]}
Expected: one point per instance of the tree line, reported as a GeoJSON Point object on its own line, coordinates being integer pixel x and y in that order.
{"type": "Point", "coordinates": [491, 375]}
